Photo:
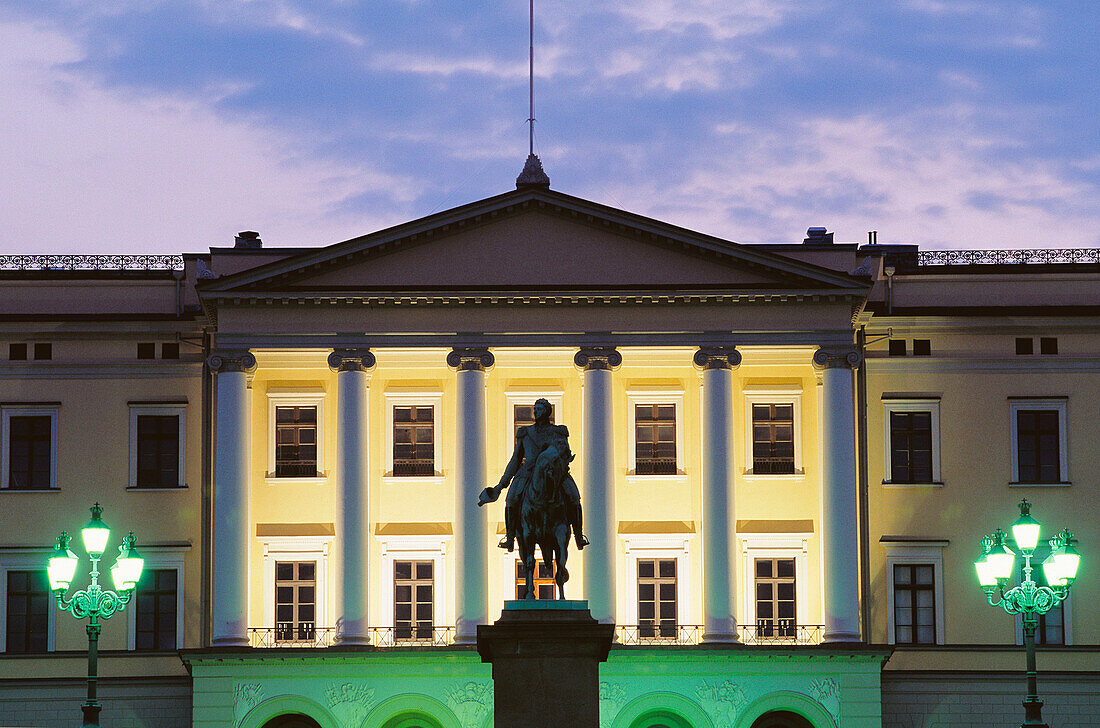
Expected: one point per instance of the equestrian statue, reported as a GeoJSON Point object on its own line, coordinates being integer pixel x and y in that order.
{"type": "Point", "coordinates": [543, 504]}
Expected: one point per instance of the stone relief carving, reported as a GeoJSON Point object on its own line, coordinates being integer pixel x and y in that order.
{"type": "Point", "coordinates": [722, 699]}
{"type": "Point", "coordinates": [827, 692]}
{"type": "Point", "coordinates": [612, 698]}
{"type": "Point", "coordinates": [471, 702]}
{"type": "Point", "coordinates": [247, 696]}
{"type": "Point", "coordinates": [350, 703]}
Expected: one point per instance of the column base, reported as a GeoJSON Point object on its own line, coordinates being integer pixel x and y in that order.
{"type": "Point", "coordinates": [721, 637]}
{"type": "Point", "coordinates": [229, 641]}
{"type": "Point", "coordinates": [841, 637]}
{"type": "Point", "coordinates": [360, 640]}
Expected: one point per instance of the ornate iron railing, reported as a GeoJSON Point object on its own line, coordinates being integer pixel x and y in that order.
{"type": "Point", "coordinates": [91, 262]}
{"type": "Point", "coordinates": [1001, 257]}
{"type": "Point", "coordinates": [749, 634]}
{"type": "Point", "coordinates": [278, 637]}
{"type": "Point", "coordinates": [267, 637]}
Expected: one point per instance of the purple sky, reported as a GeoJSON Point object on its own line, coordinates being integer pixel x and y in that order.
{"type": "Point", "coordinates": [146, 126]}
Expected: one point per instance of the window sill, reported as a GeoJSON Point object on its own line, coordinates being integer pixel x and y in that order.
{"type": "Point", "coordinates": [318, 480]}
{"type": "Point", "coordinates": [1061, 484]}
{"type": "Point", "coordinates": [892, 484]}
{"type": "Point", "coordinates": [675, 478]}
{"type": "Point", "coordinates": [171, 488]}
{"type": "Point", "coordinates": [797, 476]}
{"type": "Point", "coordinates": [436, 479]}
{"type": "Point", "coordinates": [30, 490]}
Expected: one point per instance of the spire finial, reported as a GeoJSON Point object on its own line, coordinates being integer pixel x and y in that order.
{"type": "Point", "coordinates": [532, 175]}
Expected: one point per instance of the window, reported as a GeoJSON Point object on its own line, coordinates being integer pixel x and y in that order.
{"type": "Point", "coordinates": [1024, 345]}
{"type": "Point", "coordinates": [914, 604]}
{"type": "Point", "coordinates": [17, 352]}
{"type": "Point", "coordinates": [413, 599]}
{"type": "Point", "coordinates": [295, 442]}
{"type": "Point", "coordinates": [545, 586]}
{"type": "Point", "coordinates": [296, 435]}
{"type": "Point", "coordinates": [922, 347]}
{"type": "Point", "coordinates": [155, 606]}
{"type": "Point", "coordinates": [657, 598]}
{"type": "Point", "coordinates": [897, 347]}
{"type": "Point", "coordinates": [1048, 345]}
{"type": "Point", "coordinates": [656, 439]}
{"type": "Point", "coordinates": [28, 609]}
{"type": "Point", "coordinates": [157, 445]}
{"type": "Point", "coordinates": [170, 351]}
{"type": "Point", "coordinates": [43, 351]}
{"type": "Point", "coordinates": [1039, 448]}
{"type": "Point", "coordinates": [772, 439]}
{"type": "Point", "coordinates": [414, 440]}
{"type": "Point", "coordinates": [295, 601]}
{"type": "Point", "coordinates": [914, 601]}
{"type": "Point", "coordinates": [146, 350]}
{"type": "Point", "coordinates": [776, 615]}
{"type": "Point", "coordinates": [29, 447]}
{"type": "Point", "coordinates": [524, 415]}
{"type": "Point", "coordinates": [1052, 625]}
{"type": "Point", "coordinates": [912, 436]}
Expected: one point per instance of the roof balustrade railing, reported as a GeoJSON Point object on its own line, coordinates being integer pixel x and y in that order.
{"type": "Point", "coordinates": [91, 262]}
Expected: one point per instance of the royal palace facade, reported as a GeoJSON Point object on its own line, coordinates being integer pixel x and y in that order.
{"type": "Point", "coordinates": [787, 455]}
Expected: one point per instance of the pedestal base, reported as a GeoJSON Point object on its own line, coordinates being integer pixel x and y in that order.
{"type": "Point", "coordinates": [545, 657]}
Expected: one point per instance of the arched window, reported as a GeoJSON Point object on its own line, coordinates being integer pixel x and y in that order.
{"type": "Point", "coordinates": [292, 720]}
{"type": "Point", "coordinates": [412, 720]}
{"type": "Point", "coordinates": [781, 719]}
{"type": "Point", "coordinates": [661, 719]}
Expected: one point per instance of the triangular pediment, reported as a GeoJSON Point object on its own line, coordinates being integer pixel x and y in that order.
{"type": "Point", "coordinates": [533, 240]}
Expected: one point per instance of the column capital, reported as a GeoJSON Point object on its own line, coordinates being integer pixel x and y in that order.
{"type": "Point", "coordinates": [231, 361]}
{"type": "Point", "coordinates": [835, 358]}
{"type": "Point", "coordinates": [464, 360]}
{"type": "Point", "coordinates": [717, 357]}
{"type": "Point", "coordinates": [351, 360]}
{"type": "Point", "coordinates": [598, 357]}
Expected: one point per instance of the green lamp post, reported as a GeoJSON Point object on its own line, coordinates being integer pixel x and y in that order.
{"type": "Point", "coordinates": [995, 566]}
{"type": "Point", "coordinates": [95, 602]}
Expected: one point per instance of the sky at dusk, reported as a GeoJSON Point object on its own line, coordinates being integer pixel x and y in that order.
{"type": "Point", "coordinates": [131, 126]}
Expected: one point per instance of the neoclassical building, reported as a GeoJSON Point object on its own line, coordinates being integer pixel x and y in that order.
{"type": "Point", "coordinates": [786, 454]}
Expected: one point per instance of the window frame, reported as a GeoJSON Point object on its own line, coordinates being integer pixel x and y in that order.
{"type": "Point", "coordinates": [791, 396]}
{"type": "Point", "coordinates": [297, 548]}
{"type": "Point", "coordinates": [513, 397]}
{"type": "Point", "coordinates": [910, 553]}
{"type": "Point", "coordinates": [295, 397]}
{"type": "Point", "coordinates": [418, 547]}
{"type": "Point", "coordinates": [645, 396]}
{"type": "Point", "coordinates": [29, 409]}
{"type": "Point", "coordinates": [414, 398]}
{"type": "Point", "coordinates": [167, 558]}
{"type": "Point", "coordinates": [24, 560]}
{"type": "Point", "coordinates": [166, 409]}
{"type": "Point", "coordinates": [928, 404]}
{"type": "Point", "coordinates": [775, 546]}
{"type": "Point", "coordinates": [1056, 404]}
{"type": "Point", "coordinates": [658, 546]}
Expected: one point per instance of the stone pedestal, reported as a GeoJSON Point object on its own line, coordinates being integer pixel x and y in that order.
{"type": "Point", "coordinates": [546, 659]}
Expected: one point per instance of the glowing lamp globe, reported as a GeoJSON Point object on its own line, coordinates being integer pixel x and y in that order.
{"type": "Point", "coordinates": [1068, 559]}
{"type": "Point", "coordinates": [1000, 558]}
{"type": "Point", "coordinates": [982, 566]}
{"type": "Point", "coordinates": [95, 534]}
{"type": "Point", "coordinates": [126, 572]}
{"type": "Point", "coordinates": [62, 564]}
{"type": "Point", "coordinates": [1025, 531]}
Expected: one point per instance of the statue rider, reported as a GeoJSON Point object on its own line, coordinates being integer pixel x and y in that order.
{"type": "Point", "coordinates": [530, 441]}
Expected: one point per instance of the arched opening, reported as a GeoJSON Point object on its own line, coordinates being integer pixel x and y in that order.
{"type": "Point", "coordinates": [412, 720]}
{"type": "Point", "coordinates": [660, 719]}
{"type": "Point", "coordinates": [292, 720]}
{"type": "Point", "coordinates": [781, 719]}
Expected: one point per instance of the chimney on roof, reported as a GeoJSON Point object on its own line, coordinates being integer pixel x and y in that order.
{"type": "Point", "coordinates": [248, 240]}
{"type": "Point", "coordinates": [818, 236]}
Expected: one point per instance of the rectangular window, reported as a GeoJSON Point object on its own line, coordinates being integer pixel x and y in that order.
{"type": "Point", "coordinates": [30, 452]}
{"type": "Point", "coordinates": [147, 350]}
{"type": "Point", "coordinates": [170, 351]}
{"type": "Point", "coordinates": [28, 611]}
{"type": "Point", "coordinates": [295, 442]}
{"type": "Point", "coordinates": [155, 610]}
{"type": "Point", "coordinates": [914, 604]}
{"type": "Point", "coordinates": [544, 581]}
{"type": "Point", "coordinates": [655, 439]}
{"type": "Point", "coordinates": [523, 415]}
{"type": "Point", "coordinates": [910, 447]}
{"type": "Point", "coordinates": [1048, 345]}
{"type": "Point", "coordinates": [922, 347]}
{"type": "Point", "coordinates": [295, 601]}
{"type": "Point", "coordinates": [43, 351]}
{"type": "Point", "coordinates": [657, 598]}
{"type": "Point", "coordinates": [776, 614]}
{"type": "Point", "coordinates": [1037, 446]}
{"type": "Point", "coordinates": [414, 441]}
{"type": "Point", "coordinates": [413, 599]}
{"type": "Point", "coordinates": [1052, 627]}
{"type": "Point", "coordinates": [158, 451]}
{"type": "Point", "coordinates": [897, 347]}
{"type": "Point", "coordinates": [1024, 345]}
{"type": "Point", "coordinates": [772, 438]}
{"type": "Point", "coordinates": [17, 352]}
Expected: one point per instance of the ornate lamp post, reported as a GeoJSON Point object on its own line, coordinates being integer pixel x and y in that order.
{"type": "Point", "coordinates": [95, 602]}
{"type": "Point", "coordinates": [995, 566]}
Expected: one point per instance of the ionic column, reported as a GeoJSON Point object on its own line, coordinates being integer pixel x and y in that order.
{"type": "Point", "coordinates": [840, 509]}
{"type": "Point", "coordinates": [719, 560]}
{"type": "Point", "coordinates": [598, 480]}
{"type": "Point", "coordinates": [231, 492]}
{"type": "Point", "coordinates": [471, 526]}
{"type": "Point", "coordinates": [352, 369]}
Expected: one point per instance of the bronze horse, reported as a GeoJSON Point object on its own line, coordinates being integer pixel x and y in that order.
{"type": "Point", "coordinates": [543, 521]}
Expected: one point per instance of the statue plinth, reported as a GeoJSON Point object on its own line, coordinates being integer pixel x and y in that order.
{"type": "Point", "coordinates": [546, 659]}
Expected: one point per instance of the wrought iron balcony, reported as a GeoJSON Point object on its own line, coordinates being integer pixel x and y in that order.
{"type": "Point", "coordinates": [91, 262]}
{"type": "Point", "coordinates": [765, 632]}
{"type": "Point", "coordinates": [305, 635]}
{"type": "Point", "coordinates": [1004, 257]}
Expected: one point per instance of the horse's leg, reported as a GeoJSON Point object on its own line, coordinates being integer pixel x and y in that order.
{"type": "Point", "coordinates": [561, 553]}
{"type": "Point", "coordinates": [527, 551]}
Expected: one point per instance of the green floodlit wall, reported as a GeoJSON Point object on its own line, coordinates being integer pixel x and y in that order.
{"type": "Point", "coordinates": [696, 688]}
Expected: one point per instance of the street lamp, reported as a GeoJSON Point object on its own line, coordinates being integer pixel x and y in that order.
{"type": "Point", "coordinates": [1028, 599]}
{"type": "Point", "coordinates": [95, 601]}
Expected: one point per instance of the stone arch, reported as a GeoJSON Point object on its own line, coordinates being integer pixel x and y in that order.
{"type": "Point", "coordinates": [287, 705]}
{"type": "Point", "coordinates": [781, 719]}
{"type": "Point", "coordinates": [784, 701]}
{"type": "Point", "coordinates": [292, 720]}
{"type": "Point", "coordinates": [662, 709]}
{"type": "Point", "coordinates": [409, 710]}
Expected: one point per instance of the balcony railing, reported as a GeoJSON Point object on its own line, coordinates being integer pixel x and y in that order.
{"type": "Point", "coordinates": [655, 466]}
{"type": "Point", "coordinates": [267, 637]}
{"type": "Point", "coordinates": [1047, 256]}
{"type": "Point", "coordinates": [91, 262]}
